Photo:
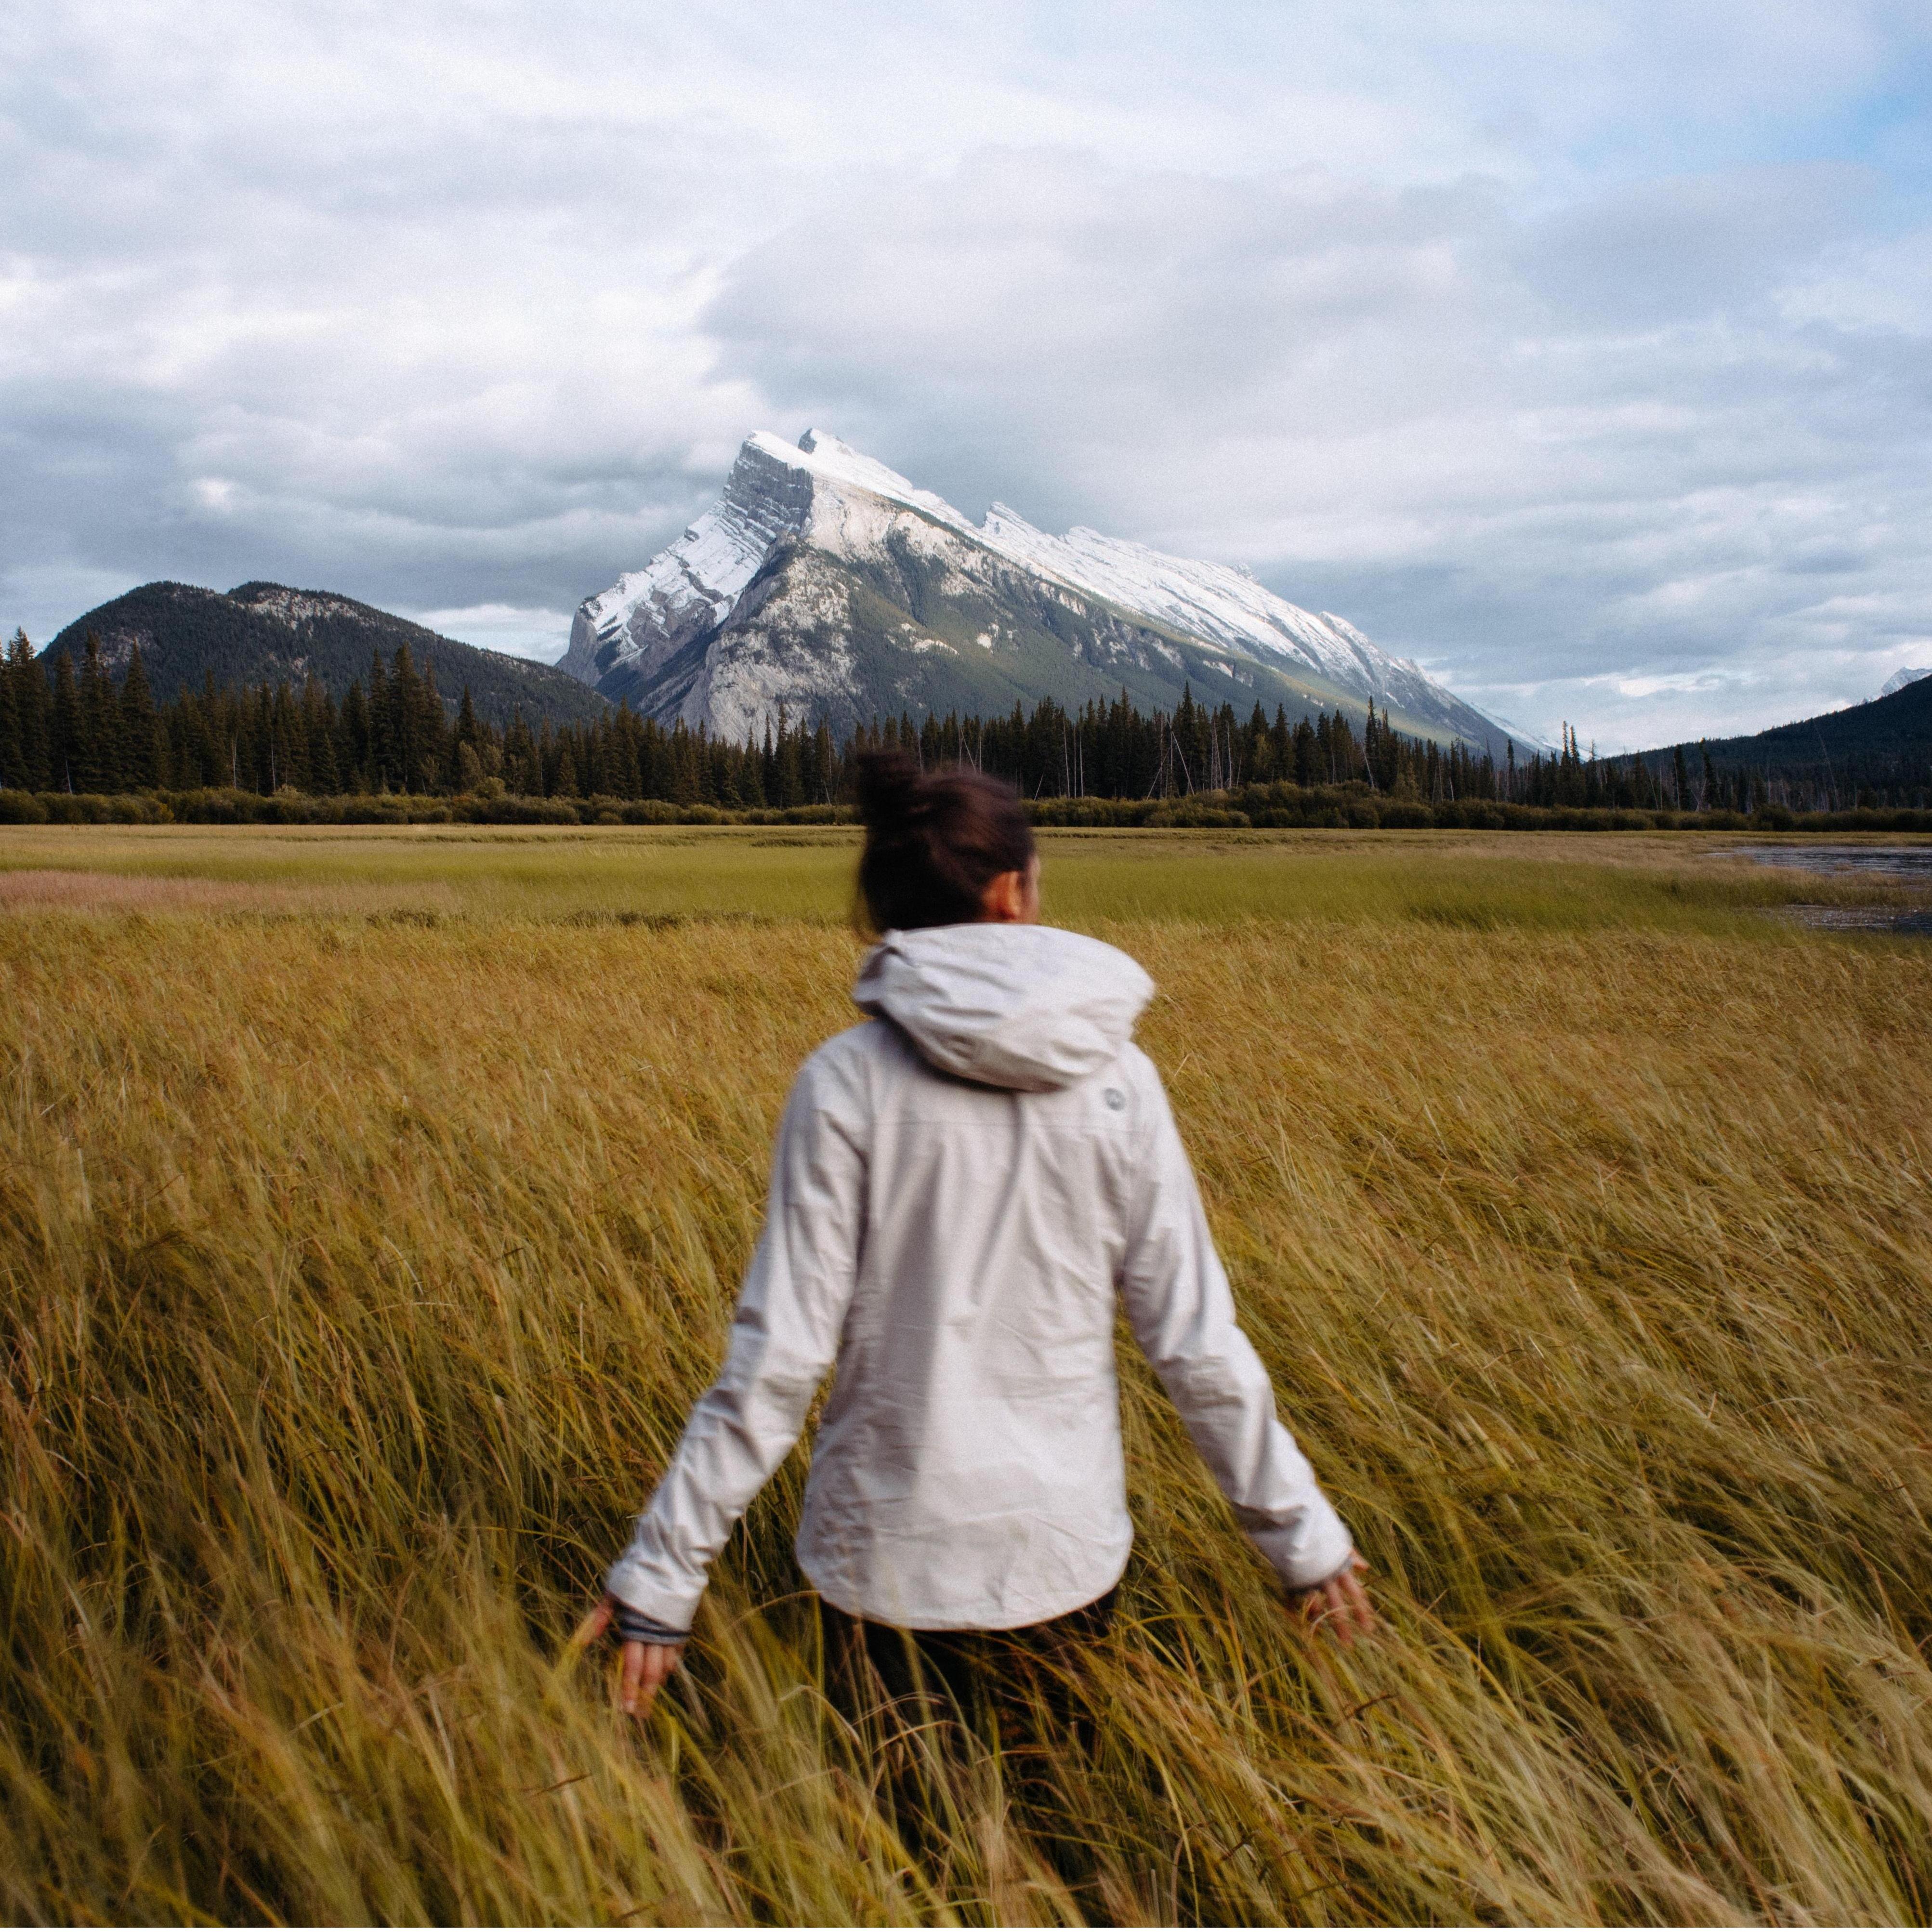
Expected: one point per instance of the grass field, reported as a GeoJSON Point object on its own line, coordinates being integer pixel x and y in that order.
{"type": "Point", "coordinates": [371, 1206]}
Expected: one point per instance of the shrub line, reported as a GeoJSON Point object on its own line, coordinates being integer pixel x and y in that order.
{"type": "Point", "coordinates": [1274, 807]}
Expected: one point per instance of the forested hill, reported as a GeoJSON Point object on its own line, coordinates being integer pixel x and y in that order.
{"type": "Point", "coordinates": [1883, 747]}
{"type": "Point", "coordinates": [266, 633]}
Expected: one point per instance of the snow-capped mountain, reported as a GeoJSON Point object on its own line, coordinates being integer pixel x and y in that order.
{"type": "Point", "coordinates": [1899, 680]}
{"type": "Point", "coordinates": [825, 582]}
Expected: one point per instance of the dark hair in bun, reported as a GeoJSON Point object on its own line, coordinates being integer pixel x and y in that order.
{"type": "Point", "coordinates": [934, 840]}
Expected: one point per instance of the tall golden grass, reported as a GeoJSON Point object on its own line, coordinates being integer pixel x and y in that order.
{"type": "Point", "coordinates": [357, 1263]}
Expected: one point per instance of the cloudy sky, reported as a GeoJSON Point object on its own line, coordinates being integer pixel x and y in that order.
{"type": "Point", "coordinates": [1581, 348]}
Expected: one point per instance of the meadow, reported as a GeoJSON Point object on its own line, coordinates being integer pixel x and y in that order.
{"type": "Point", "coordinates": [371, 1206]}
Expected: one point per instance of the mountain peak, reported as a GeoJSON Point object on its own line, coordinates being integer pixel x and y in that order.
{"type": "Point", "coordinates": [783, 591]}
{"type": "Point", "coordinates": [1003, 519]}
{"type": "Point", "coordinates": [290, 606]}
{"type": "Point", "coordinates": [816, 443]}
{"type": "Point", "coordinates": [824, 458]}
{"type": "Point", "coordinates": [1899, 680]}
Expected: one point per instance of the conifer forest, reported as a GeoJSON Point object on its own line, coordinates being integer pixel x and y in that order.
{"type": "Point", "coordinates": [80, 731]}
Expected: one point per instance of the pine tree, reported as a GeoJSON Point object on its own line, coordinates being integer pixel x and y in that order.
{"type": "Point", "coordinates": [291, 742]}
{"type": "Point", "coordinates": [32, 705]}
{"type": "Point", "coordinates": [591, 741]}
{"type": "Point", "coordinates": [684, 765]}
{"type": "Point", "coordinates": [220, 755]}
{"type": "Point", "coordinates": [791, 765]}
{"type": "Point", "coordinates": [97, 760]}
{"type": "Point", "coordinates": [320, 729]}
{"type": "Point", "coordinates": [435, 758]}
{"type": "Point", "coordinates": [188, 762]}
{"type": "Point", "coordinates": [521, 774]}
{"type": "Point", "coordinates": [13, 766]}
{"type": "Point", "coordinates": [261, 768]}
{"type": "Point", "coordinates": [382, 734]}
{"type": "Point", "coordinates": [352, 748]}
{"type": "Point", "coordinates": [825, 776]}
{"type": "Point", "coordinates": [630, 770]}
{"type": "Point", "coordinates": [467, 730]}
{"type": "Point", "coordinates": [1182, 734]}
{"type": "Point", "coordinates": [750, 784]}
{"type": "Point", "coordinates": [405, 721]}
{"type": "Point", "coordinates": [1258, 764]}
{"type": "Point", "coordinates": [64, 746]}
{"type": "Point", "coordinates": [140, 737]}
{"type": "Point", "coordinates": [1304, 763]}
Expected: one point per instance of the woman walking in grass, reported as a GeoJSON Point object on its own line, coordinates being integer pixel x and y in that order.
{"type": "Point", "coordinates": [962, 1187]}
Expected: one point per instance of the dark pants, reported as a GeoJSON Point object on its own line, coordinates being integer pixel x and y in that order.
{"type": "Point", "coordinates": [979, 1673]}
{"type": "Point", "coordinates": [923, 1696]}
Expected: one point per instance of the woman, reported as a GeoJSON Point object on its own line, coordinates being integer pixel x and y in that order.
{"type": "Point", "coordinates": [962, 1186]}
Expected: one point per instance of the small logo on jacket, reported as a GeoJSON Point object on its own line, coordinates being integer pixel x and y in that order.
{"type": "Point", "coordinates": [1114, 1099]}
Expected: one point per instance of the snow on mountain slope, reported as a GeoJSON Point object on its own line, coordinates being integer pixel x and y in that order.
{"type": "Point", "coordinates": [690, 587]}
{"type": "Point", "coordinates": [666, 636]}
{"type": "Point", "coordinates": [1219, 603]}
{"type": "Point", "coordinates": [1899, 680]}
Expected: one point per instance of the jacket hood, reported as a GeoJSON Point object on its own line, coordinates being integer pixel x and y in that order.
{"type": "Point", "coordinates": [1029, 1007]}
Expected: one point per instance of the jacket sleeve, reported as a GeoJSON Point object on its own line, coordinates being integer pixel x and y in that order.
{"type": "Point", "coordinates": [1177, 1296]}
{"type": "Point", "coordinates": [784, 1336]}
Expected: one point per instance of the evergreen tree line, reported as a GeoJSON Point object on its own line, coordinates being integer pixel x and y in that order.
{"type": "Point", "coordinates": [1685, 779]}
{"type": "Point", "coordinates": [79, 730]}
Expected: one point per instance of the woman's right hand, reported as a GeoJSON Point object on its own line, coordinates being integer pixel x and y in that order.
{"type": "Point", "coordinates": [644, 1668]}
{"type": "Point", "coordinates": [1341, 1604]}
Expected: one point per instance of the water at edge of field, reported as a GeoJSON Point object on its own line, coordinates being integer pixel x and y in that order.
{"type": "Point", "coordinates": [1908, 864]}
{"type": "Point", "coordinates": [1900, 862]}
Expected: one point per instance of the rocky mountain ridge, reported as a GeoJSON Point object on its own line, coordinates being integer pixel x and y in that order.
{"type": "Point", "coordinates": [1899, 680]}
{"type": "Point", "coordinates": [268, 633]}
{"type": "Point", "coordinates": [826, 582]}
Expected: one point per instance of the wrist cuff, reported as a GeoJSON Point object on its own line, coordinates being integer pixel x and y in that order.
{"type": "Point", "coordinates": [634, 1627]}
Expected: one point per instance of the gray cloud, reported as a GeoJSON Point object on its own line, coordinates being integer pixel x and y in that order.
{"type": "Point", "coordinates": [1583, 352]}
{"type": "Point", "coordinates": [1678, 250]}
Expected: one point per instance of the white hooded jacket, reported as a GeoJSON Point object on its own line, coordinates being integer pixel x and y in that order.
{"type": "Point", "coordinates": [962, 1188]}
